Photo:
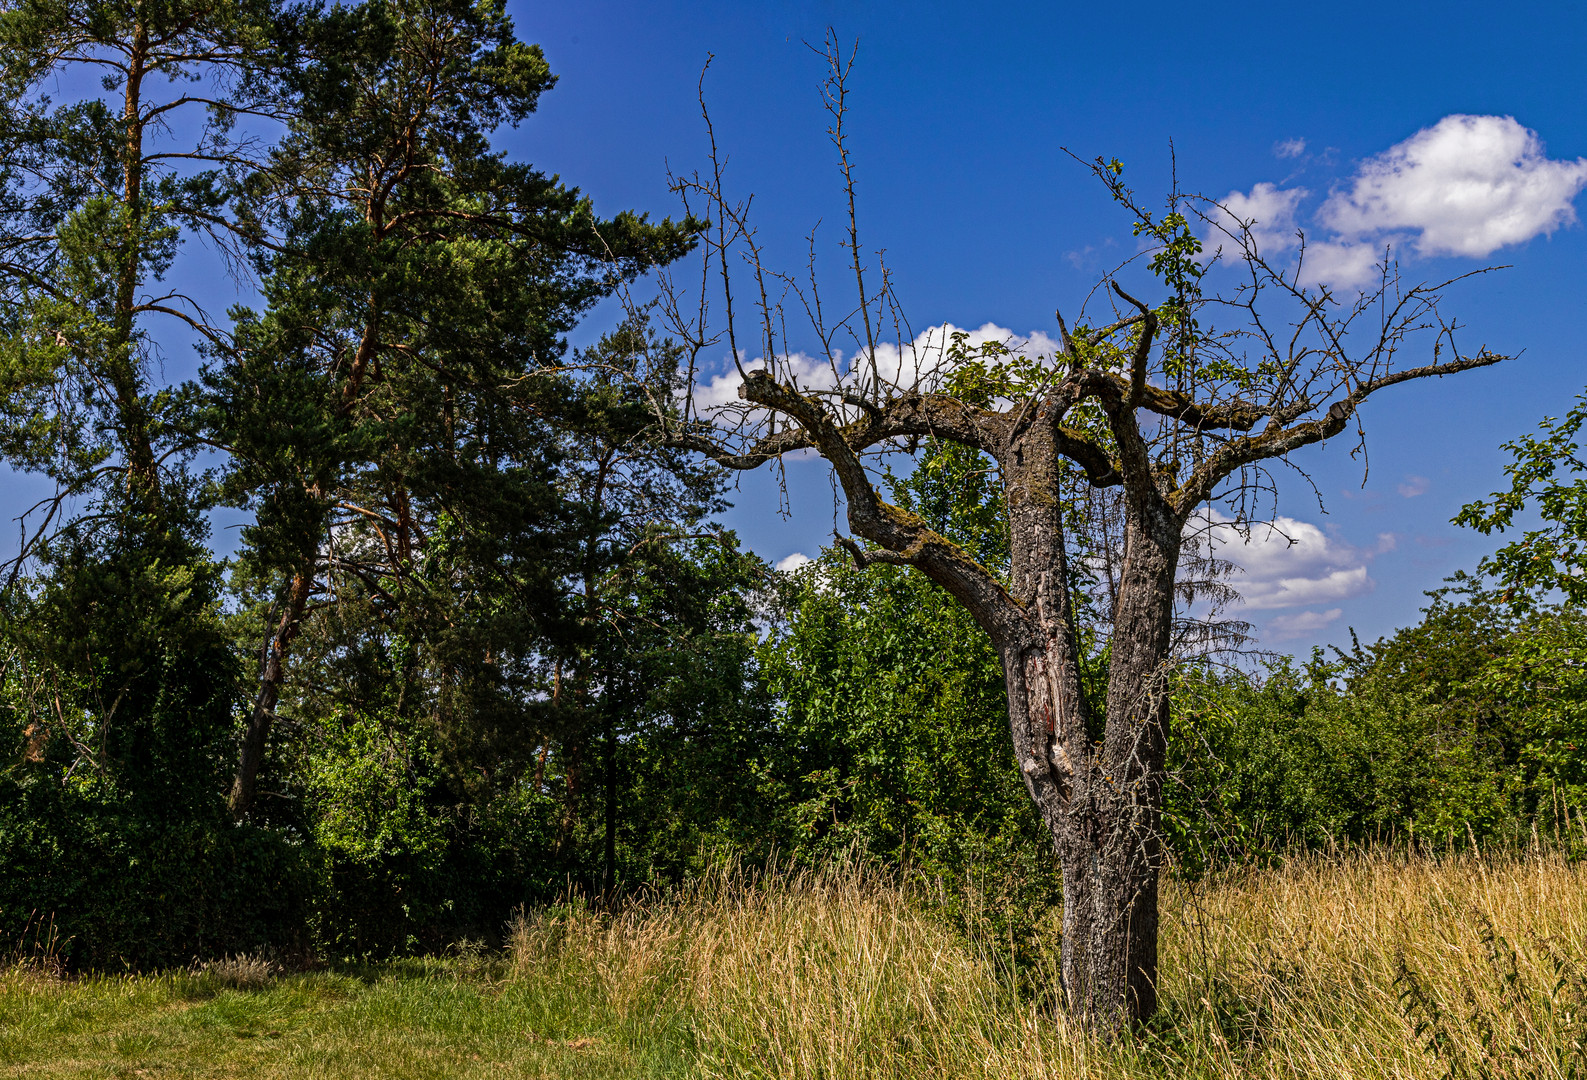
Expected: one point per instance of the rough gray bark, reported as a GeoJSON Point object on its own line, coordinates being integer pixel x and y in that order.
{"type": "Point", "coordinates": [1102, 800]}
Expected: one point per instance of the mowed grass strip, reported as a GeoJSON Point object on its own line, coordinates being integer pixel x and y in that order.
{"type": "Point", "coordinates": [1356, 966]}
{"type": "Point", "coordinates": [420, 1020]}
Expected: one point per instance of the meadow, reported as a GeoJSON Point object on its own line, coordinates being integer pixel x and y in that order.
{"type": "Point", "coordinates": [1354, 965]}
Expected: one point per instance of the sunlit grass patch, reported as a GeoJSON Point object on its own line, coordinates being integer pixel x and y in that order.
{"type": "Point", "coordinates": [411, 1022]}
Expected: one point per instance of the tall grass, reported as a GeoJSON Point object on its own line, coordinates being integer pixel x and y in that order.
{"type": "Point", "coordinates": [1355, 965]}
{"type": "Point", "coordinates": [1359, 965]}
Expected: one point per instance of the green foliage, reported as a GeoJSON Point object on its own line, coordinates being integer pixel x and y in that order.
{"type": "Point", "coordinates": [696, 747]}
{"type": "Point", "coordinates": [1547, 473]}
{"type": "Point", "coordinates": [368, 785]}
{"type": "Point", "coordinates": [1293, 760]}
{"type": "Point", "coordinates": [435, 803]}
{"type": "Point", "coordinates": [116, 708]}
{"type": "Point", "coordinates": [1541, 679]}
{"type": "Point", "coordinates": [893, 712]}
{"type": "Point", "coordinates": [1469, 724]}
{"type": "Point", "coordinates": [423, 284]}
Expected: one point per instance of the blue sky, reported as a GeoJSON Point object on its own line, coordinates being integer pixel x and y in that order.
{"type": "Point", "coordinates": [961, 119]}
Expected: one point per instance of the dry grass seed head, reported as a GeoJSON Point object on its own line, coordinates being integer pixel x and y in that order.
{"type": "Point", "coordinates": [245, 971]}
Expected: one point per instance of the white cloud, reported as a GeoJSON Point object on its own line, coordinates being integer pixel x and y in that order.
{"type": "Point", "coordinates": [1288, 563]}
{"type": "Point", "coordinates": [1468, 185]}
{"type": "Point", "coordinates": [1267, 210]}
{"type": "Point", "coordinates": [1342, 264]}
{"type": "Point", "coordinates": [1414, 486]}
{"type": "Point", "coordinates": [1298, 591]}
{"type": "Point", "coordinates": [1271, 213]}
{"type": "Point", "coordinates": [921, 361]}
{"type": "Point", "coordinates": [793, 562]}
{"type": "Point", "coordinates": [1300, 624]}
{"type": "Point", "coordinates": [1289, 148]}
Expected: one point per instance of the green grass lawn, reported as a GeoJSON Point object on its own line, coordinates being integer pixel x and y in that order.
{"type": "Point", "coordinates": [419, 1019]}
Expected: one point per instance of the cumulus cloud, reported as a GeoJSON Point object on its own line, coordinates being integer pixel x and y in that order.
{"type": "Point", "coordinates": [922, 360]}
{"type": "Point", "coordinates": [1289, 148]}
{"type": "Point", "coordinates": [1267, 210]}
{"type": "Point", "coordinates": [1297, 591]}
{"type": "Point", "coordinates": [1300, 624]}
{"type": "Point", "coordinates": [1468, 185]}
{"type": "Point", "coordinates": [793, 562]}
{"type": "Point", "coordinates": [1288, 563]}
{"type": "Point", "coordinates": [1271, 216]}
{"type": "Point", "coordinates": [1342, 263]}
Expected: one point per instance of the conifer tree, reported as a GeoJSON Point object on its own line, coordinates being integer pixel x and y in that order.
{"type": "Point", "coordinates": [392, 401]}
{"type": "Point", "coordinates": [118, 661]}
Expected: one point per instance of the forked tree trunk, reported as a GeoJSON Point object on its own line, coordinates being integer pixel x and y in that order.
{"type": "Point", "coordinates": [1101, 800]}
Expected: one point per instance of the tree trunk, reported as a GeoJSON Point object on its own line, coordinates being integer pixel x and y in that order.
{"type": "Point", "coordinates": [143, 479]}
{"type": "Point", "coordinates": [609, 870]}
{"type": "Point", "coordinates": [1102, 801]}
{"type": "Point", "coordinates": [245, 783]}
{"type": "Point", "coordinates": [1109, 840]}
{"type": "Point", "coordinates": [1135, 750]}
{"type": "Point", "coordinates": [573, 783]}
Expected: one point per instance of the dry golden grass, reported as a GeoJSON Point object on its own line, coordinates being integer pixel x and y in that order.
{"type": "Point", "coordinates": [1325, 968]}
{"type": "Point", "coordinates": [245, 971]}
{"type": "Point", "coordinates": [1329, 966]}
{"type": "Point", "coordinates": [1360, 965]}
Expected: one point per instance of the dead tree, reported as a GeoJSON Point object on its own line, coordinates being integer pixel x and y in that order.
{"type": "Point", "coordinates": [1181, 407]}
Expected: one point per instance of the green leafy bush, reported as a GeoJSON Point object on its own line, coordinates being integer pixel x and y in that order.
{"type": "Point", "coordinates": [116, 705]}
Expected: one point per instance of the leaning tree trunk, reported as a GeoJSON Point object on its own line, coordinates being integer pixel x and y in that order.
{"type": "Point", "coordinates": [256, 734]}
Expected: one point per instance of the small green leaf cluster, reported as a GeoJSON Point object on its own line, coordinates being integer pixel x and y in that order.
{"type": "Point", "coordinates": [981, 375]}
{"type": "Point", "coordinates": [1548, 475]}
